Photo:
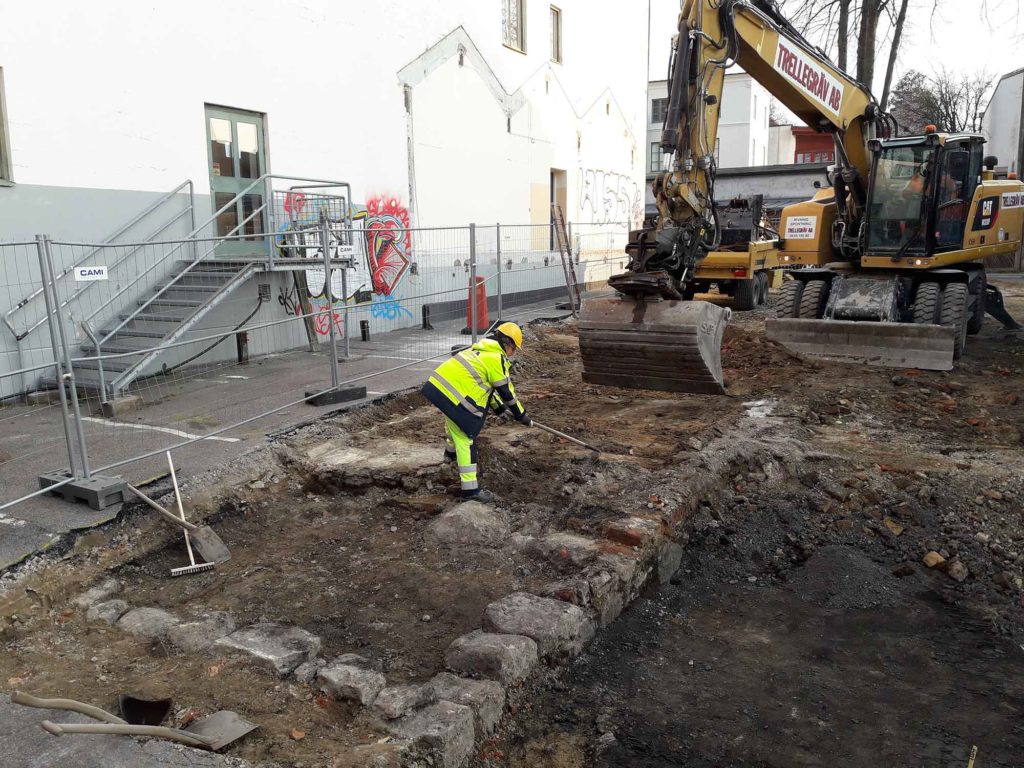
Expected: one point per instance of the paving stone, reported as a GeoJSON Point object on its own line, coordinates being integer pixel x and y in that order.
{"type": "Point", "coordinates": [305, 673]}
{"type": "Point", "coordinates": [352, 683]}
{"type": "Point", "coordinates": [97, 594]}
{"type": "Point", "coordinates": [507, 658]}
{"type": "Point", "coordinates": [109, 611]}
{"type": "Point", "coordinates": [485, 697]}
{"type": "Point", "coordinates": [195, 636]}
{"type": "Point", "coordinates": [469, 523]}
{"type": "Point", "coordinates": [442, 732]}
{"type": "Point", "coordinates": [150, 623]}
{"type": "Point", "coordinates": [279, 647]}
{"type": "Point", "coordinates": [557, 627]}
{"type": "Point", "coordinates": [397, 700]}
{"type": "Point", "coordinates": [670, 555]}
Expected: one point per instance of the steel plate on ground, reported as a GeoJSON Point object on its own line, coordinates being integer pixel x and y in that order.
{"type": "Point", "coordinates": [673, 346]}
{"type": "Point", "coordinates": [890, 345]}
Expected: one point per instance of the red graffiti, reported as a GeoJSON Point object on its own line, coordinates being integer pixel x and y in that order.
{"type": "Point", "coordinates": [387, 243]}
{"type": "Point", "coordinates": [322, 317]}
{"type": "Point", "coordinates": [294, 202]}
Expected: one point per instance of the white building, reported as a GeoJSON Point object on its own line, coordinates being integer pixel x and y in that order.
{"type": "Point", "coordinates": [1003, 123]}
{"type": "Point", "coordinates": [743, 134]}
{"type": "Point", "coordinates": [460, 111]}
{"type": "Point", "coordinates": [781, 144]}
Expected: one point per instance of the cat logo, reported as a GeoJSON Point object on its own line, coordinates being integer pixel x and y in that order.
{"type": "Point", "coordinates": [986, 208]}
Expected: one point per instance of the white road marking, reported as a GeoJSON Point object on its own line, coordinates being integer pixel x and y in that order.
{"type": "Point", "coordinates": [244, 378]}
{"type": "Point", "coordinates": [168, 430]}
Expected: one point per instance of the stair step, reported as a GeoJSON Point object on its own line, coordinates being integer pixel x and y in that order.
{"type": "Point", "coordinates": [116, 365]}
{"type": "Point", "coordinates": [120, 344]}
{"type": "Point", "coordinates": [170, 303]}
{"type": "Point", "coordinates": [188, 288]}
{"type": "Point", "coordinates": [157, 317]}
{"type": "Point", "coordinates": [139, 333]}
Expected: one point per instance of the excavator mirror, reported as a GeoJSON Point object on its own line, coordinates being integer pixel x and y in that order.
{"type": "Point", "coordinates": [990, 162]}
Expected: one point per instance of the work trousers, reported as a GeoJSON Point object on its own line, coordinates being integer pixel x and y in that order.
{"type": "Point", "coordinates": [465, 456]}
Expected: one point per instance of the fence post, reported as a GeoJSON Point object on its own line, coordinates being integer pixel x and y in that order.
{"type": "Point", "coordinates": [325, 246]}
{"type": "Point", "coordinates": [69, 374]}
{"type": "Point", "coordinates": [57, 367]}
{"type": "Point", "coordinates": [497, 230]}
{"type": "Point", "coordinates": [472, 281]}
{"type": "Point", "coordinates": [271, 227]}
{"type": "Point", "coordinates": [99, 362]}
{"type": "Point", "coordinates": [344, 299]}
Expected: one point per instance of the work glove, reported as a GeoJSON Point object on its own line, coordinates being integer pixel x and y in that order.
{"type": "Point", "coordinates": [525, 420]}
{"type": "Point", "coordinates": [502, 412]}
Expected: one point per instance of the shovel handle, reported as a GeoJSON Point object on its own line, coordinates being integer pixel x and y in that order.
{"type": "Point", "coordinates": [168, 515]}
{"type": "Point", "coordinates": [159, 731]}
{"type": "Point", "coordinates": [564, 436]}
{"type": "Point", "coordinates": [70, 705]}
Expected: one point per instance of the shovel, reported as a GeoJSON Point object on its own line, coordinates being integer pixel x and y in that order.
{"type": "Point", "coordinates": [208, 543]}
{"type": "Point", "coordinates": [562, 435]}
{"type": "Point", "coordinates": [213, 732]}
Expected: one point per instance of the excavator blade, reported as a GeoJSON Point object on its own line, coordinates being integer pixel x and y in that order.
{"type": "Point", "coordinates": [674, 346]}
{"type": "Point", "coordinates": [890, 345]}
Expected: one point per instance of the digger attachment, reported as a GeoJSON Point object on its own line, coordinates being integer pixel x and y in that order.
{"type": "Point", "coordinates": [890, 345]}
{"type": "Point", "coordinates": [673, 346]}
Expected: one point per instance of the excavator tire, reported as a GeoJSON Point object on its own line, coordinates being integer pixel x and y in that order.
{"type": "Point", "coordinates": [977, 318]}
{"type": "Point", "coordinates": [763, 288]}
{"type": "Point", "coordinates": [789, 299]}
{"type": "Point", "coordinates": [812, 300]}
{"type": "Point", "coordinates": [926, 304]}
{"type": "Point", "coordinates": [954, 313]}
{"type": "Point", "coordinates": [672, 346]}
{"type": "Point", "coordinates": [745, 295]}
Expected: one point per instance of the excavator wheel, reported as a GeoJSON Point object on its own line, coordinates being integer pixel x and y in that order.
{"type": "Point", "coordinates": [954, 313]}
{"type": "Point", "coordinates": [926, 304]}
{"type": "Point", "coordinates": [789, 299]}
{"type": "Point", "coordinates": [745, 295]}
{"type": "Point", "coordinates": [812, 300]}
{"type": "Point", "coordinates": [763, 287]}
{"type": "Point", "coordinates": [977, 318]}
{"type": "Point", "coordinates": [672, 346]}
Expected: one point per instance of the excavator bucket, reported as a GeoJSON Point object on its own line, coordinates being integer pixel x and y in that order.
{"type": "Point", "coordinates": [673, 346]}
{"type": "Point", "coordinates": [890, 345]}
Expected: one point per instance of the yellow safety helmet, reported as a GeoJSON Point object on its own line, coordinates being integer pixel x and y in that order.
{"type": "Point", "coordinates": [513, 331]}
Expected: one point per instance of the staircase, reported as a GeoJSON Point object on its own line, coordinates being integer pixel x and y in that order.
{"type": "Point", "coordinates": [178, 302]}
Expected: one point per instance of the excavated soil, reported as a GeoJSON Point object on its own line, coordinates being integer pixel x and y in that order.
{"type": "Point", "coordinates": [803, 628]}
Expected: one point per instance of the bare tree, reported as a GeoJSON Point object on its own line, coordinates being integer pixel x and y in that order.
{"type": "Point", "coordinates": [894, 51]}
{"type": "Point", "coordinates": [951, 101]}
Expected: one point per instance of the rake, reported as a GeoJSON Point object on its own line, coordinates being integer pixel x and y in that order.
{"type": "Point", "coordinates": [193, 566]}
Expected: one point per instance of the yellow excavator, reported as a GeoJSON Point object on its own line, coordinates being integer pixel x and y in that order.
{"type": "Point", "coordinates": [886, 266]}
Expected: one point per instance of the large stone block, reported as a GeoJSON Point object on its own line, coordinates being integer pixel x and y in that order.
{"type": "Point", "coordinates": [469, 523]}
{"type": "Point", "coordinates": [558, 628]}
{"type": "Point", "coordinates": [670, 555]}
{"type": "Point", "coordinates": [507, 658]}
{"type": "Point", "coordinates": [98, 594]}
{"type": "Point", "coordinates": [442, 732]}
{"type": "Point", "coordinates": [397, 700]}
{"type": "Point", "coordinates": [196, 636]}
{"type": "Point", "coordinates": [485, 697]}
{"type": "Point", "coordinates": [278, 647]}
{"type": "Point", "coordinates": [352, 683]}
{"type": "Point", "coordinates": [150, 623]}
{"type": "Point", "coordinates": [109, 611]}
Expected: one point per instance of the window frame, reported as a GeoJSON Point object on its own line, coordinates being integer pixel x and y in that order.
{"type": "Point", "coordinates": [556, 34]}
{"type": "Point", "coordinates": [6, 172]}
{"type": "Point", "coordinates": [655, 163]}
{"type": "Point", "coordinates": [654, 118]}
{"type": "Point", "coordinates": [521, 29]}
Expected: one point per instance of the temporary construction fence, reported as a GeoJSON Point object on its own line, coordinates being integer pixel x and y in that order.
{"type": "Point", "coordinates": [210, 340]}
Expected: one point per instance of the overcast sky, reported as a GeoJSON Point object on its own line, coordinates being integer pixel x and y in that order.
{"type": "Point", "coordinates": [958, 37]}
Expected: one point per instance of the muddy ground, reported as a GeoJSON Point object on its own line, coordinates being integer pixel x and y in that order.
{"type": "Point", "coordinates": [803, 628]}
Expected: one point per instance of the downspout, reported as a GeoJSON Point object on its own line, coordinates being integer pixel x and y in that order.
{"type": "Point", "coordinates": [410, 153]}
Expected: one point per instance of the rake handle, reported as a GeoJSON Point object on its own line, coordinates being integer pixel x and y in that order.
{"type": "Point", "coordinates": [181, 510]}
{"type": "Point", "coordinates": [69, 705]}
{"type": "Point", "coordinates": [168, 515]}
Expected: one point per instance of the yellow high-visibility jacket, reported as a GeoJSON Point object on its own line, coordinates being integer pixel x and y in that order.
{"type": "Point", "coordinates": [463, 387]}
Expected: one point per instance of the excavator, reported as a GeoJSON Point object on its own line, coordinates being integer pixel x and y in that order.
{"type": "Point", "coordinates": [885, 266]}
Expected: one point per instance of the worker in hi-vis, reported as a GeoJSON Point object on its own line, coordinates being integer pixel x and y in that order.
{"type": "Point", "coordinates": [463, 388]}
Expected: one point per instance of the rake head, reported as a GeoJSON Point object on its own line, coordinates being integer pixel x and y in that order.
{"type": "Point", "coordinates": [185, 570]}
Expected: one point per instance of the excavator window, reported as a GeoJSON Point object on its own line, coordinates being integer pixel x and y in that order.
{"type": "Point", "coordinates": [952, 201]}
{"type": "Point", "coordinates": [903, 180]}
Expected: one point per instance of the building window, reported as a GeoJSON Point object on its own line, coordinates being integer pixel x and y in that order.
{"type": "Point", "coordinates": [659, 108]}
{"type": "Point", "coordinates": [655, 161]}
{"type": "Point", "coordinates": [5, 137]}
{"type": "Point", "coordinates": [556, 35]}
{"type": "Point", "coordinates": [513, 25]}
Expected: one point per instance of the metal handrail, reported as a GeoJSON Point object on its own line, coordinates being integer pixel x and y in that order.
{"type": "Point", "coordinates": [109, 240]}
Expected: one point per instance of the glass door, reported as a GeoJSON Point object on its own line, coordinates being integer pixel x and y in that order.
{"type": "Point", "coordinates": [237, 157]}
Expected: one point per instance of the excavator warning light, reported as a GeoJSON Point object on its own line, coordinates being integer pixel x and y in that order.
{"type": "Point", "coordinates": [930, 129]}
{"type": "Point", "coordinates": [740, 272]}
{"type": "Point", "coordinates": [1012, 176]}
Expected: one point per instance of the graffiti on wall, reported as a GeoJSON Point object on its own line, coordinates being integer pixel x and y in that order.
{"type": "Point", "coordinates": [378, 269]}
{"type": "Point", "coordinates": [607, 197]}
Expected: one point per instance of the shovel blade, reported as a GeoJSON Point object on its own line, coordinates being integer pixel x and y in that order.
{"type": "Point", "coordinates": [221, 728]}
{"type": "Point", "coordinates": [889, 345]}
{"type": "Point", "coordinates": [209, 545]}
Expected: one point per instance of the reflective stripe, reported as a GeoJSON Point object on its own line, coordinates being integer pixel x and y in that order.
{"type": "Point", "coordinates": [472, 371]}
{"type": "Point", "coordinates": [501, 383]}
{"type": "Point", "coordinates": [469, 469]}
{"type": "Point", "coordinates": [470, 485]}
{"type": "Point", "coordinates": [455, 393]}
{"type": "Point", "coordinates": [513, 401]}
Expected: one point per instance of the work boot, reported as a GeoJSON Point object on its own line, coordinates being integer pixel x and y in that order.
{"type": "Point", "coordinates": [449, 456]}
{"type": "Point", "coordinates": [484, 497]}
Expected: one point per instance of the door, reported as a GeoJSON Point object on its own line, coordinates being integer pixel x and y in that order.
{"type": "Point", "coordinates": [558, 197]}
{"type": "Point", "coordinates": [236, 155]}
